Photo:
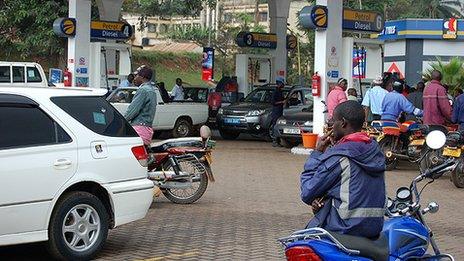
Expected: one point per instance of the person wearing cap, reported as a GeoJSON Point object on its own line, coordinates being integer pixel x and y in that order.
{"type": "Point", "coordinates": [336, 96]}
{"type": "Point", "coordinates": [374, 98]}
{"type": "Point", "coordinates": [141, 111]}
{"type": "Point", "coordinates": [278, 102]}
{"type": "Point", "coordinates": [395, 103]}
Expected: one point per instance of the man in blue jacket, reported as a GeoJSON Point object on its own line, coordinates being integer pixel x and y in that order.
{"type": "Point", "coordinates": [395, 103]}
{"type": "Point", "coordinates": [345, 183]}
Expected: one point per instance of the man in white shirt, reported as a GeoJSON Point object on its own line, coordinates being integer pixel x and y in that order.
{"type": "Point", "coordinates": [177, 92]}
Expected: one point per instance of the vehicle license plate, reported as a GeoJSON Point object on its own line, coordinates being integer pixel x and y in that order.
{"type": "Point", "coordinates": [419, 142]}
{"type": "Point", "coordinates": [452, 152]}
{"type": "Point", "coordinates": [292, 131]}
{"type": "Point", "coordinates": [231, 121]}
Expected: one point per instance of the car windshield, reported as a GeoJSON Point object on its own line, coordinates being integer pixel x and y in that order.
{"type": "Point", "coordinates": [262, 96]}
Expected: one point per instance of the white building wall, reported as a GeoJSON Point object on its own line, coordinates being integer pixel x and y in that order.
{"type": "Point", "coordinates": [442, 47]}
{"type": "Point", "coordinates": [396, 48]}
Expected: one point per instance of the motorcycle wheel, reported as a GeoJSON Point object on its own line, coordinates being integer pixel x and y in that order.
{"type": "Point", "coordinates": [188, 195]}
{"type": "Point", "coordinates": [386, 144]}
{"type": "Point", "coordinates": [457, 176]}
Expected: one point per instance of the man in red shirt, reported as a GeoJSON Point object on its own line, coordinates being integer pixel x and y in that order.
{"type": "Point", "coordinates": [336, 96]}
{"type": "Point", "coordinates": [437, 109]}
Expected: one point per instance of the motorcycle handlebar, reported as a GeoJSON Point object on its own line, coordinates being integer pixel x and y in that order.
{"type": "Point", "coordinates": [429, 173]}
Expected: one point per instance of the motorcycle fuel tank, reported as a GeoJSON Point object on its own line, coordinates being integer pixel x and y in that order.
{"type": "Point", "coordinates": [407, 237]}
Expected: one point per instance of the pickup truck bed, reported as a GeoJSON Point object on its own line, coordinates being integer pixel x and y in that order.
{"type": "Point", "coordinates": [178, 117]}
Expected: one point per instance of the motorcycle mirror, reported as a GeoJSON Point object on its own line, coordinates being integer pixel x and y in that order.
{"type": "Point", "coordinates": [435, 139]}
{"type": "Point", "coordinates": [205, 132]}
{"type": "Point", "coordinates": [431, 208]}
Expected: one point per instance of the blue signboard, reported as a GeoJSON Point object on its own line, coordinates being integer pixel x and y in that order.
{"type": "Point", "coordinates": [420, 29]}
{"type": "Point", "coordinates": [332, 74]}
{"type": "Point", "coordinates": [55, 75]}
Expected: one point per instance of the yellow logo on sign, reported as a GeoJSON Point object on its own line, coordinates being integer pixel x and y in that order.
{"type": "Point", "coordinates": [69, 28]}
{"type": "Point", "coordinates": [320, 17]}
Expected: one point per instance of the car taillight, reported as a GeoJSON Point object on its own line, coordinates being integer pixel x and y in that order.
{"type": "Point", "coordinates": [141, 155]}
{"type": "Point", "coordinates": [301, 253]}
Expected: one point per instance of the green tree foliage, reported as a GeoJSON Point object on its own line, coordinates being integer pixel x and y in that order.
{"type": "Point", "coordinates": [400, 9]}
{"type": "Point", "coordinates": [26, 27]}
{"type": "Point", "coordinates": [167, 8]}
{"type": "Point", "coordinates": [452, 73]}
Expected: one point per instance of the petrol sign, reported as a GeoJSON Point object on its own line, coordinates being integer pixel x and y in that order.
{"type": "Point", "coordinates": [110, 30]}
{"type": "Point", "coordinates": [364, 21]}
{"type": "Point", "coordinates": [256, 40]}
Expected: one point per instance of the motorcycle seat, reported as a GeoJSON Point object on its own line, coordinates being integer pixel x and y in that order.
{"type": "Point", "coordinates": [161, 146]}
{"type": "Point", "coordinates": [374, 249]}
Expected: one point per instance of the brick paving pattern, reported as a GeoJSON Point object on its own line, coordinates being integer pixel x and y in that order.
{"type": "Point", "coordinates": [254, 201]}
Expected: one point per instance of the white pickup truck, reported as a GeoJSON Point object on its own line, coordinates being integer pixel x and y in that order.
{"type": "Point", "coordinates": [180, 118]}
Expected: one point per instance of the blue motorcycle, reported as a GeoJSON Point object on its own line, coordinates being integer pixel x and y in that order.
{"type": "Point", "coordinates": [405, 235]}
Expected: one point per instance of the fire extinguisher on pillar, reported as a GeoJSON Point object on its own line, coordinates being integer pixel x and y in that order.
{"type": "Point", "coordinates": [67, 77]}
{"type": "Point", "coordinates": [316, 85]}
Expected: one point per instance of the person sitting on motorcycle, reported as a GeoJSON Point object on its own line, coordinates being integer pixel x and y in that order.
{"type": "Point", "coordinates": [345, 184]}
{"type": "Point", "coordinates": [141, 111]}
{"type": "Point", "coordinates": [395, 103]}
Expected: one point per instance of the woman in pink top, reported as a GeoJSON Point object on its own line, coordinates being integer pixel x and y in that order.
{"type": "Point", "coordinates": [336, 96]}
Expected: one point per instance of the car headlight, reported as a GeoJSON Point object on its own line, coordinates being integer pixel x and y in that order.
{"type": "Point", "coordinates": [255, 113]}
{"type": "Point", "coordinates": [282, 122]}
{"type": "Point", "coordinates": [308, 123]}
{"type": "Point", "coordinates": [220, 111]}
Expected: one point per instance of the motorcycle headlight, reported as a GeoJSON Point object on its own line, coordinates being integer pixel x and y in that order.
{"type": "Point", "coordinates": [255, 113]}
{"type": "Point", "coordinates": [282, 122]}
{"type": "Point", "coordinates": [220, 111]}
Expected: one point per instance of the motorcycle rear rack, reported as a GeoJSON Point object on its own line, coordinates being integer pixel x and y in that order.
{"type": "Point", "coordinates": [315, 234]}
{"type": "Point", "coordinates": [199, 168]}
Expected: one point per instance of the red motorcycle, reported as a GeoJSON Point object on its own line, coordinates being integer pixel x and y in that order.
{"type": "Point", "coordinates": [181, 167]}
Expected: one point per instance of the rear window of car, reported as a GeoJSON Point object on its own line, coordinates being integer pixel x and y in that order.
{"type": "Point", "coordinates": [33, 74]}
{"type": "Point", "coordinates": [97, 114]}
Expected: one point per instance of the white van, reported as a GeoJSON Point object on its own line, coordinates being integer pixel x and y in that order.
{"type": "Point", "coordinates": [22, 74]}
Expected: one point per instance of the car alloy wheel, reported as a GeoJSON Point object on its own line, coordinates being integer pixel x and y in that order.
{"type": "Point", "coordinates": [81, 227]}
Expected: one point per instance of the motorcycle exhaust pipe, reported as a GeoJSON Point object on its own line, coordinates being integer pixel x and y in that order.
{"type": "Point", "coordinates": [391, 154]}
{"type": "Point", "coordinates": [166, 175]}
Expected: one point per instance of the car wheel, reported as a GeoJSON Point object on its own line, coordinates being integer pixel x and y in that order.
{"type": "Point", "coordinates": [182, 128]}
{"type": "Point", "coordinates": [78, 227]}
{"type": "Point", "coordinates": [229, 135]}
{"type": "Point", "coordinates": [288, 143]}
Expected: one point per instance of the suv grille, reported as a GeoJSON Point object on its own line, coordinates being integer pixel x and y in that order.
{"type": "Point", "coordinates": [235, 113]}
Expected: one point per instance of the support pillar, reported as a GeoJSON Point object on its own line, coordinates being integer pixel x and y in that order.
{"type": "Point", "coordinates": [278, 15]}
{"type": "Point", "coordinates": [328, 58]}
{"type": "Point", "coordinates": [109, 10]}
{"type": "Point", "coordinates": [78, 46]}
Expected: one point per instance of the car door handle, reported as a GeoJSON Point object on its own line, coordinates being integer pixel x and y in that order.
{"type": "Point", "coordinates": [62, 163]}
